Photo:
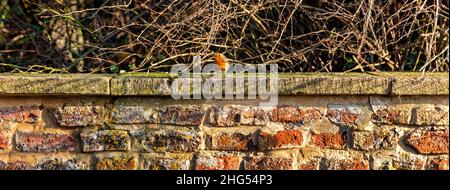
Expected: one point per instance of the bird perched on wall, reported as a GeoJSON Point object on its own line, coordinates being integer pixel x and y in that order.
{"type": "Point", "coordinates": [222, 62]}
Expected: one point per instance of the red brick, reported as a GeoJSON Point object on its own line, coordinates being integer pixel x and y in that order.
{"type": "Point", "coordinates": [429, 140]}
{"type": "Point", "coordinates": [4, 141]}
{"type": "Point", "coordinates": [355, 116]}
{"type": "Point", "coordinates": [268, 163]}
{"type": "Point", "coordinates": [38, 141]}
{"type": "Point", "coordinates": [289, 138]}
{"type": "Point", "coordinates": [78, 116]}
{"type": "Point", "coordinates": [231, 141]}
{"type": "Point", "coordinates": [27, 114]}
{"type": "Point", "coordinates": [105, 140]}
{"type": "Point", "coordinates": [293, 114]}
{"type": "Point", "coordinates": [217, 163]}
{"type": "Point", "coordinates": [329, 140]}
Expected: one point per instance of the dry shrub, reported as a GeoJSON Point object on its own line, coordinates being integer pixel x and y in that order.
{"type": "Point", "coordinates": [151, 35]}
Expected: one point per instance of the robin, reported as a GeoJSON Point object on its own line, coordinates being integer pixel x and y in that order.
{"type": "Point", "coordinates": [221, 61]}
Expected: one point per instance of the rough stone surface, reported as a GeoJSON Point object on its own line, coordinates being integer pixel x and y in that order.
{"type": "Point", "coordinates": [430, 115]}
{"type": "Point", "coordinates": [429, 84]}
{"type": "Point", "coordinates": [329, 140]}
{"type": "Point", "coordinates": [105, 140]}
{"type": "Point", "coordinates": [18, 165]}
{"type": "Point", "coordinates": [63, 164]}
{"type": "Point", "coordinates": [75, 116]}
{"type": "Point", "coordinates": [170, 139]}
{"type": "Point", "coordinates": [383, 138]}
{"type": "Point", "coordinates": [294, 114]}
{"type": "Point", "coordinates": [134, 114]}
{"type": "Point", "coordinates": [116, 162]}
{"type": "Point", "coordinates": [231, 141]}
{"type": "Point", "coordinates": [386, 111]}
{"type": "Point", "coordinates": [5, 138]}
{"type": "Point", "coordinates": [27, 114]}
{"type": "Point", "coordinates": [429, 140]}
{"type": "Point", "coordinates": [179, 162]}
{"type": "Point", "coordinates": [182, 115]}
{"type": "Point", "coordinates": [268, 163]}
{"type": "Point", "coordinates": [399, 161]}
{"type": "Point", "coordinates": [235, 115]}
{"type": "Point", "coordinates": [354, 116]}
{"type": "Point", "coordinates": [330, 85]}
{"type": "Point", "coordinates": [437, 163]}
{"type": "Point", "coordinates": [39, 141]}
{"type": "Point", "coordinates": [346, 164]}
{"type": "Point", "coordinates": [132, 86]}
{"type": "Point", "coordinates": [75, 84]}
{"type": "Point", "coordinates": [217, 163]}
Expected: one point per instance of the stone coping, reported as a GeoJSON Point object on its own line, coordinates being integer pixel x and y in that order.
{"type": "Point", "coordinates": [158, 84]}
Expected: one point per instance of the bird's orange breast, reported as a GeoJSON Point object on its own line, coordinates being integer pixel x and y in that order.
{"type": "Point", "coordinates": [221, 61]}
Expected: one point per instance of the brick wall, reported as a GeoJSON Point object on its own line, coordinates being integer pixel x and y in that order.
{"type": "Point", "coordinates": [139, 127]}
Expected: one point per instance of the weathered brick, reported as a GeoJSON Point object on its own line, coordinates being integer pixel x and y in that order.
{"type": "Point", "coordinates": [17, 165]}
{"type": "Point", "coordinates": [351, 115]}
{"type": "Point", "coordinates": [116, 162]}
{"type": "Point", "coordinates": [268, 163]}
{"type": "Point", "coordinates": [134, 114]}
{"type": "Point", "coordinates": [285, 113]}
{"type": "Point", "coordinates": [272, 139]}
{"type": "Point", "coordinates": [105, 140]}
{"type": "Point", "coordinates": [400, 161]}
{"type": "Point", "coordinates": [26, 114]}
{"type": "Point", "coordinates": [182, 115]}
{"type": "Point", "coordinates": [3, 165]}
{"type": "Point", "coordinates": [254, 116]}
{"type": "Point", "coordinates": [63, 164]}
{"type": "Point", "coordinates": [430, 115]}
{"type": "Point", "coordinates": [44, 141]}
{"type": "Point", "coordinates": [170, 139]}
{"type": "Point", "coordinates": [346, 164]}
{"type": "Point", "coordinates": [429, 140]}
{"type": "Point", "coordinates": [5, 138]}
{"type": "Point", "coordinates": [381, 139]}
{"type": "Point", "coordinates": [438, 163]}
{"type": "Point", "coordinates": [78, 116]}
{"type": "Point", "coordinates": [231, 141]}
{"type": "Point", "coordinates": [217, 163]}
{"type": "Point", "coordinates": [309, 159]}
{"type": "Point", "coordinates": [225, 116]}
{"type": "Point", "coordinates": [329, 140]}
{"type": "Point", "coordinates": [234, 115]}
{"type": "Point", "coordinates": [151, 162]}
{"type": "Point", "coordinates": [390, 111]}
{"type": "Point", "coordinates": [294, 114]}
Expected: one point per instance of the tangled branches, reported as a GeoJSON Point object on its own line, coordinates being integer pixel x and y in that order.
{"type": "Point", "coordinates": [151, 35]}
